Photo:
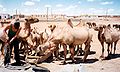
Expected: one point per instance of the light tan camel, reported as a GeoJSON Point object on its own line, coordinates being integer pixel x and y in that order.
{"type": "Point", "coordinates": [70, 36]}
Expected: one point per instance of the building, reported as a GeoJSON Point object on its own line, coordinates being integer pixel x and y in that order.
{"type": "Point", "coordinates": [4, 16]}
{"type": "Point", "coordinates": [18, 16]}
{"type": "Point", "coordinates": [50, 17]}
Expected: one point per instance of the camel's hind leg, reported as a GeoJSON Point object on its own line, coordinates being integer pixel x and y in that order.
{"type": "Point", "coordinates": [79, 50]}
{"type": "Point", "coordinates": [102, 56]}
{"type": "Point", "coordinates": [87, 46]}
{"type": "Point", "coordinates": [65, 52]}
{"type": "Point", "coordinates": [72, 52]}
{"type": "Point", "coordinates": [114, 47]}
{"type": "Point", "coordinates": [111, 48]}
{"type": "Point", "coordinates": [108, 48]}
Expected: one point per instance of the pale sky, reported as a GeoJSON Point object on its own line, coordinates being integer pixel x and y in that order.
{"type": "Point", "coordinates": [68, 7]}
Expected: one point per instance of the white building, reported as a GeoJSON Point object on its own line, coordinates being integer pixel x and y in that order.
{"type": "Point", "coordinates": [4, 16]}
{"type": "Point", "coordinates": [50, 17]}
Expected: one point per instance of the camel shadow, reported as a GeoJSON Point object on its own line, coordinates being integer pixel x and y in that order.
{"type": "Point", "coordinates": [79, 60]}
{"type": "Point", "coordinates": [49, 59]}
{"type": "Point", "coordinates": [62, 53]}
{"type": "Point", "coordinates": [92, 52]}
{"type": "Point", "coordinates": [112, 56]}
{"type": "Point", "coordinates": [39, 69]}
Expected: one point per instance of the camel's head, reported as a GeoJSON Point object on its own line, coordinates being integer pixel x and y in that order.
{"type": "Point", "coordinates": [52, 27]}
{"type": "Point", "coordinates": [99, 27]}
{"type": "Point", "coordinates": [47, 45]}
{"type": "Point", "coordinates": [34, 30]}
{"type": "Point", "coordinates": [116, 26]}
{"type": "Point", "coordinates": [31, 20]}
{"type": "Point", "coordinates": [94, 24]}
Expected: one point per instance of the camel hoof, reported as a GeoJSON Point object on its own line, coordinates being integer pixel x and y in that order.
{"type": "Point", "coordinates": [108, 57]}
{"type": "Point", "coordinates": [110, 53]}
{"type": "Point", "coordinates": [64, 62]}
{"type": "Point", "coordinates": [56, 59]}
{"type": "Point", "coordinates": [84, 61]}
{"type": "Point", "coordinates": [73, 61]}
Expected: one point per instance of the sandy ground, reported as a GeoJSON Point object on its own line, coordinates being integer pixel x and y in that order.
{"type": "Point", "coordinates": [93, 64]}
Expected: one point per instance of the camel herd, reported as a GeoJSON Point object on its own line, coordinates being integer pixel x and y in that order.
{"type": "Point", "coordinates": [41, 45]}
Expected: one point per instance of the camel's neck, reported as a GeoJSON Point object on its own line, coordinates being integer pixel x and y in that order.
{"type": "Point", "coordinates": [99, 34]}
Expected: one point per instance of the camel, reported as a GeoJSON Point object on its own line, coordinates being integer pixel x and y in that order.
{"type": "Point", "coordinates": [89, 24]}
{"type": "Point", "coordinates": [70, 36]}
{"type": "Point", "coordinates": [52, 27]}
{"type": "Point", "coordinates": [111, 36]}
{"type": "Point", "coordinates": [45, 35]}
{"type": "Point", "coordinates": [107, 35]}
{"type": "Point", "coordinates": [38, 53]}
{"type": "Point", "coordinates": [101, 37]}
{"type": "Point", "coordinates": [23, 37]}
{"type": "Point", "coordinates": [37, 38]}
{"type": "Point", "coordinates": [116, 26]}
{"type": "Point", "coordinates": [27, 29]}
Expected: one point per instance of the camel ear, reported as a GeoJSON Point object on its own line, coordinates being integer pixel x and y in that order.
{"type": "Point", "coordinates": [31, 29]}
{"type": "Point", "coordinates": [50, 26]}
{"type": "Point", "coordinates": [45, 30]}
{"type": "Point", "coordinates": [104, 26]}
{"type": "Point", "coordinates": [26, 19]}
{"type": "Point", "coordinates": [54, 27]}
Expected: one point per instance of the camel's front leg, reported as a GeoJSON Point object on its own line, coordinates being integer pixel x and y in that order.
{"type": "Point", "coordinates": [102, 56]}
{"type": "Point", "coordinates": [65, 53]}
{"type": "Point", "coordinates": [115, 47]}
{"type": "Point", "coordinates": [56, 53]}
{"type": "Point", "coordinates": [72, 52]}
{"type": "Point", "coordinates": [108, 48]}
{"type": "Point", "coordinates": [111, 48]}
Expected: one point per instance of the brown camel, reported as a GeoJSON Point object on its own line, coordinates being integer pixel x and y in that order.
{"type": "Point", "coordinates": [107, 35]}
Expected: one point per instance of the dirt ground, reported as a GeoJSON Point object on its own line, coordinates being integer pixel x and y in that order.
{"type": "Point", "coordinates": [93, 64]}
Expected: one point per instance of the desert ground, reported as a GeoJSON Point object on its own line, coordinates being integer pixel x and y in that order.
{"type": "Point", "coordinates": [93, 64]}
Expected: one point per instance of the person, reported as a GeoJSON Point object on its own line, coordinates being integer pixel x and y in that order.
{"type": "Point", "coordinates": [13, 31]}
{"type": "Point", "coordinates": [70, 23]}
